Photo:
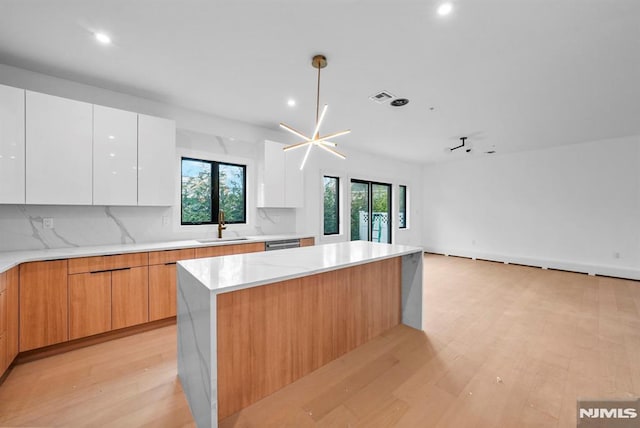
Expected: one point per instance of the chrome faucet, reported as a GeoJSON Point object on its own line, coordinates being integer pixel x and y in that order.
{"type": "Point", "coordinates": [221, 223]}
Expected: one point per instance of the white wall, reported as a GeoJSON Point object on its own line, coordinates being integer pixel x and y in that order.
{"type": "Point", "coordinates": [198, 134]}
{"type": "Point", "coordinates": [571, 207]}
{"type": "Point", "coordinates": [363, 166]}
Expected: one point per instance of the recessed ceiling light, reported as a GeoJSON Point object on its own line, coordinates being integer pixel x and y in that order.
{"type": "Point", "coordinates": [103, 38]}
{"type": "Point", "coordinates": [291, 102]}
{"type": "Point", "coordinates": [445, 9]}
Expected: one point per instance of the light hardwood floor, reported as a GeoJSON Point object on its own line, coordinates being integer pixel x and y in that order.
{"type": "Point", "coordinates": [505, 345]}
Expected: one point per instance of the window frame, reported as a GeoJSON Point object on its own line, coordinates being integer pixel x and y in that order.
{"type": "Point", "coordinates": [215, 191]}
{"type": "Point", "coordinates": [406, 206]}
{"type": "Point", "coordinates": [337, 211]}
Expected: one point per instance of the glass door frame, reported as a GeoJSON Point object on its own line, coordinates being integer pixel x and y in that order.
{"type": "Point", "coordinates": [370, 185]}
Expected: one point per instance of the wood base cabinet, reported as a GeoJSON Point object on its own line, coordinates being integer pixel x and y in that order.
{"type": "Point", "coordinates": [162, 281]}
{"type": "Point", "coordinates": [8, 318]}
{"type": "Point", "coordinates": [129, 297]}
{"type": "Point", "coordinates": [43, 304]}
{"type": "Point", "coordinates": [162, 291]}
{"type": "Point", "coordinates": [107, 300]}
{"type": "Point", "coordinates": [89, 304]}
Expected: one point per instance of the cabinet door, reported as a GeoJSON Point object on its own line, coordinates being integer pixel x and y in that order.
{"type": "Point", "coordinates": [156, 161]}
{"type": "Point", "coordinates": [89, 304]}
{"type": "Point", "coordinates": [273, 177]}
{"type": "Point", "coordinates": [115, 156]}
{"type": "Point", "coordinates": [162, 291]}
{"type": "Point", "coordinates": [129, 297]}
{"type": "Point", "coordinates": [43, 304]}
{"type": "Point", "coordinates": [58, 150]}
{"type": "Point", "coordinates": [13, 304]}
{"type": "Point", "coordinates": [4, 358]}
{"type": "Point", "coordinates": [293, 179]}
{"type": "Point", "coordinates": [12, 147]}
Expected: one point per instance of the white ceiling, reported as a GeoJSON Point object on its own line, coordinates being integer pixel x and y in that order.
{"type": "Point", "coordinates": [514, 74]}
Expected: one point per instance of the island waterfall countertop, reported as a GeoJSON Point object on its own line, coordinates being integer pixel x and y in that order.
{"type": "Point", "coordinates": [250, 324]}
{"type": "Point", "coordinates": [9, 259]}
{"type": "Point", "coordinates": [229, 273]}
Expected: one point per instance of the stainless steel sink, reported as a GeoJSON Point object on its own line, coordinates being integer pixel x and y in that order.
{"type": "Point", "coordinates": [214, 240]}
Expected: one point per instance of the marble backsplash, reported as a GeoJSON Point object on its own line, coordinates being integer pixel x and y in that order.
{"type": "Point", "coordinates": [22, 228]}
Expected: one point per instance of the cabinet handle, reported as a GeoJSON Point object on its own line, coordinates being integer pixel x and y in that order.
{"type": "Point", "coordinates": [170, 263]}
{"type": "Point", "coordinates": [110, 270]}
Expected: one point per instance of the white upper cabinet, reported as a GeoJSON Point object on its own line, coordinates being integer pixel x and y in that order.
{"type": "Point", "coordinates": [115, 156]}
{"type": "Point", "coordinates": [281, 182]}
{"type": "Point", "coordinates": [272, 185]}
{"type": "Point", "coordinates": [58, 150]}
{"type": "Point", "coordinates": [156, 161]}
{"type": "Point", "coordinates": [293, 179]}
{"type": "Point", "coordinates": [12, 175]}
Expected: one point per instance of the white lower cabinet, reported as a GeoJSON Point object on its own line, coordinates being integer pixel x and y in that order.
{"type": "Point", "coordinates": [58, 150]}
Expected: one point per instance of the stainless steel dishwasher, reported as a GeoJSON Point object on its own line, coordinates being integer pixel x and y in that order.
{"type": "Point", "coordinates": [282, 244]}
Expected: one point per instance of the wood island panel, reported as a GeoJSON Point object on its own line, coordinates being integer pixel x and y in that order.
{"type": "Point", "coordinates": [43, 304]}
{"type": "Point", "coordinates": [269, 336]}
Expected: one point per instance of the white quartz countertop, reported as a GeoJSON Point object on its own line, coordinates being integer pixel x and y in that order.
{"type": "Point", "coordinates": [229, 273]}
{"type": "Point", "coordinates": [9, 259]}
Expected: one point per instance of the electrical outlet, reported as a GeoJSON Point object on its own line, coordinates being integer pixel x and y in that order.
{"type": "Point", "coordinates": [616, 255]}
{"type": "Point", "coordinates": [473, 242]}
{"type": "Point", "coordinates": [165, 221]}
{"type": "Point", "coordinates": [47, 223]}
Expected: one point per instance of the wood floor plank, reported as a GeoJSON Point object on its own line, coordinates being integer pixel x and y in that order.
{"type": "Point", "coordinates": [503, 346]}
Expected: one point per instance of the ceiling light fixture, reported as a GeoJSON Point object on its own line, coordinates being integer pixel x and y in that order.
{"type": "Point", "coordinates": [445, 9]}
{"type": "Point", "coordinates": [103, 38]}
{"type": "Point", "coordinates": [319, 62]}
{"type": "Point", "coordinates": [463, 140]}
{"type": "Point", "coordinates": [291, 102]}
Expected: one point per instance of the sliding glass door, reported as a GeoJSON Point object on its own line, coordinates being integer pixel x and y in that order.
{"type": "Point", "coordinates": [370, 211]}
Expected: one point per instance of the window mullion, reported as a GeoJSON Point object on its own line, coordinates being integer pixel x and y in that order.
{"type": "Point", "coordinates": [215, 192]}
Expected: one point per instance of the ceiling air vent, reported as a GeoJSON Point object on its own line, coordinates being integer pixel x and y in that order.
{"type": "Point", "coordinates": [381, 97]}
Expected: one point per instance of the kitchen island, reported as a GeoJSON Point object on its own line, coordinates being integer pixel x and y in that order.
{"type": "Point", "coordinates": [250, 324]}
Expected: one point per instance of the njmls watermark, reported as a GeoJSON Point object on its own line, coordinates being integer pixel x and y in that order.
{"type": "Point", "coordinates": [613, 413]}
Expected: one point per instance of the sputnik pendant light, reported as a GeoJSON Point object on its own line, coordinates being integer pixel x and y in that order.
{"type": "Point", "coordinates": [319, 62]}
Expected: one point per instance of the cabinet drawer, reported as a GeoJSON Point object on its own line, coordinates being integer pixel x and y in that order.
{"type": "Point", "coordinates": [307, 242]}
{"type": "Point", "coordinates": [226, 250]}
{"type": "Point", "coordinates": [253, 247]}
{"type": "Point", "coordinates": [103, 263]}
{"type": "Point", "coordinates": [171, 256]}
{"type": "Point", "coordinates": [216, 251]}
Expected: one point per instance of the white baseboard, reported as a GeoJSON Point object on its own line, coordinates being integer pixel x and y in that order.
{"type": "Point", "coordinates": [603, 270]}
